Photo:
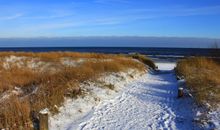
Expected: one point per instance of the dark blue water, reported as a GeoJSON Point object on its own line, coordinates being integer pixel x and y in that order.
{"type": "Point", "coordinates": [153, 52]}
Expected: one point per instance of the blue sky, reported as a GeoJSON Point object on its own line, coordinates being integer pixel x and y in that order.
{"type": "Point", "coordinates": [58, 18]}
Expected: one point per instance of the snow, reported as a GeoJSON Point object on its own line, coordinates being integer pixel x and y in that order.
{"type": "Point", "coordinates": [6, 95]}
{"type": "Point", "coordinates": [148, 101]}
{"type": "Point", "coordinates": [166, 65]}
{"type": "Point", "coordinates": [76, 111]}
{"type": "Point", "coordinates": [77, 62]}
{"type": "Point", "coordinates": [72, 63]}
{"type": "Point", "coordinates": [13, 60]}
{"type": "Point", "coordinates": [180, 88]}
{"type": "Point", "coordinates": [44, 111]}
{"type": "Point", "coordinates": [214, 117]}
{"type": "Point", "coordinates": [22, 61]}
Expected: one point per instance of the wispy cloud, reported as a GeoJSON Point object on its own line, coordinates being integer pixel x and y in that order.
{"type": "Point", "coordinates": [11, 17]}
{"type": "Point", "coordinates": [50, 26]}
{"type": "Point", "coordinates": [173, 11]}
{"type": "Point", "coordinates": [50, 16]}
{"type": "Point", "coordinates": [73, 24]}
{"type": "Point", "coordinates": [111, 1]}
{"type": "Point", "coordinates": [126, 16]}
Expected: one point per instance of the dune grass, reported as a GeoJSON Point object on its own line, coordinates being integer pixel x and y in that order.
{"type": "Point", "coordinates": [202, 77]}
{"type": "Point", "coordinates": [46, 85]}
{"type": "Point", "coordinates": [144, 60]}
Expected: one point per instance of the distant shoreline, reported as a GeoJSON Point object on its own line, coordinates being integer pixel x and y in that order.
{"type": "Point", "coordinates": [154, 52]}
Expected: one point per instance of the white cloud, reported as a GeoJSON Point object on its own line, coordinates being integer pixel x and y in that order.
{"type": "Point", "coordinates": [12, 17]}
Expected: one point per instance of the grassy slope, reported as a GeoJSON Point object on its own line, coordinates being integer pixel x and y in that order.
{"type": "Point", "coordinates": [144, 60]}
{"type": "Point", "coordinates": [54, 82]}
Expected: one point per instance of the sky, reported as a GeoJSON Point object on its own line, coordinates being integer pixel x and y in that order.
{"type": "Point", "coordinates": [57, 18]}
{"type": "Point", "coordinates": [72, 18]}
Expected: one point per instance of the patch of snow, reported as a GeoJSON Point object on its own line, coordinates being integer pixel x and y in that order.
{"type": "Point", "coordinates": [214, 117]}
{"type": "Point", "coordinates": [6, 95]}
{"type": "Point", "coordinates": [72, 63]}
{"type": "Point", "coordinates": [77, 62]}
{"type": "Point", "coordinates": [13, 60]}
{"type": "Point", "coordinates": [166, 65]}
{"type": "Point", "coordinates": [19, 62]}
{"type": "Point", "coordinates": [44, 111]}
{"type": "Point", "coordinates": [17, 91]}
{"type": "Point", "coordinates": [76, 111]}
{"type": "Point", "coordinates": [35, 63]}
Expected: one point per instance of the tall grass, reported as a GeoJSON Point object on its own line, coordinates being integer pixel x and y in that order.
{"type": "Point", "coordinates": [202, 77]}
{"type": "Point", "coordinates": [48, 88]}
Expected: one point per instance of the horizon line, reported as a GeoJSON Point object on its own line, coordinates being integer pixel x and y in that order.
{"type": "Point", "coordinates": [50, 37]}
{"type": "Point", "coordinates": [1, 47]}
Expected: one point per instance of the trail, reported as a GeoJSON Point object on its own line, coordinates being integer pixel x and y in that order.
{"type": "Point", "coordinates": [148, 103]}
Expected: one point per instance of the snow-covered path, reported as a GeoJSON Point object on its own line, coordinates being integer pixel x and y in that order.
{"type": "Point", "coordinates": [148, 103]}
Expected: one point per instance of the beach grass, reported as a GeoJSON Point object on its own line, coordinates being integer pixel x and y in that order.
{"type": "Point", "coordinates": [45, 79]}
{"type": "Point", "coordinates": [144, 59]}
{"type": "Point", "coordinates": [202, 77]}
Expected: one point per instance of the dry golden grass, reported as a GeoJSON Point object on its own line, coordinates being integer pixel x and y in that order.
{"type": "Point", "coordinates": [203, 78]}
{"type": "Point", "coordinates": [14, 113]}
{"type": "Point", "coordinates": [145, 60]}
{"type": "Point", "coordinates": [57, 55]}
{"type": "Point", "coordinates": [53, 84]}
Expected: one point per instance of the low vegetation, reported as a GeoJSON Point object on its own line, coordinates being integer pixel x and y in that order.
{"type": "Point", "coordinates": [202, 76]}
{"type": "Point", "coordinates": [144, 60]}
{"type": "Point", "coordinates": [31, 82]}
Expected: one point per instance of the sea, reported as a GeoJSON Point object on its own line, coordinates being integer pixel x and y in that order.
{"type": "Point", "coordinates": [153, 52]}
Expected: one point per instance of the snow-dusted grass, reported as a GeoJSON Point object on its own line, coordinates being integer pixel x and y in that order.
{"type": "Point", "coordinates": [75, 111]}
{"type": "Point", "coordinates": [145, 60]}
{"type": "Point", "coordinates": [202, 77]}
{"type": "Point", "coordinates": [44, 80]}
